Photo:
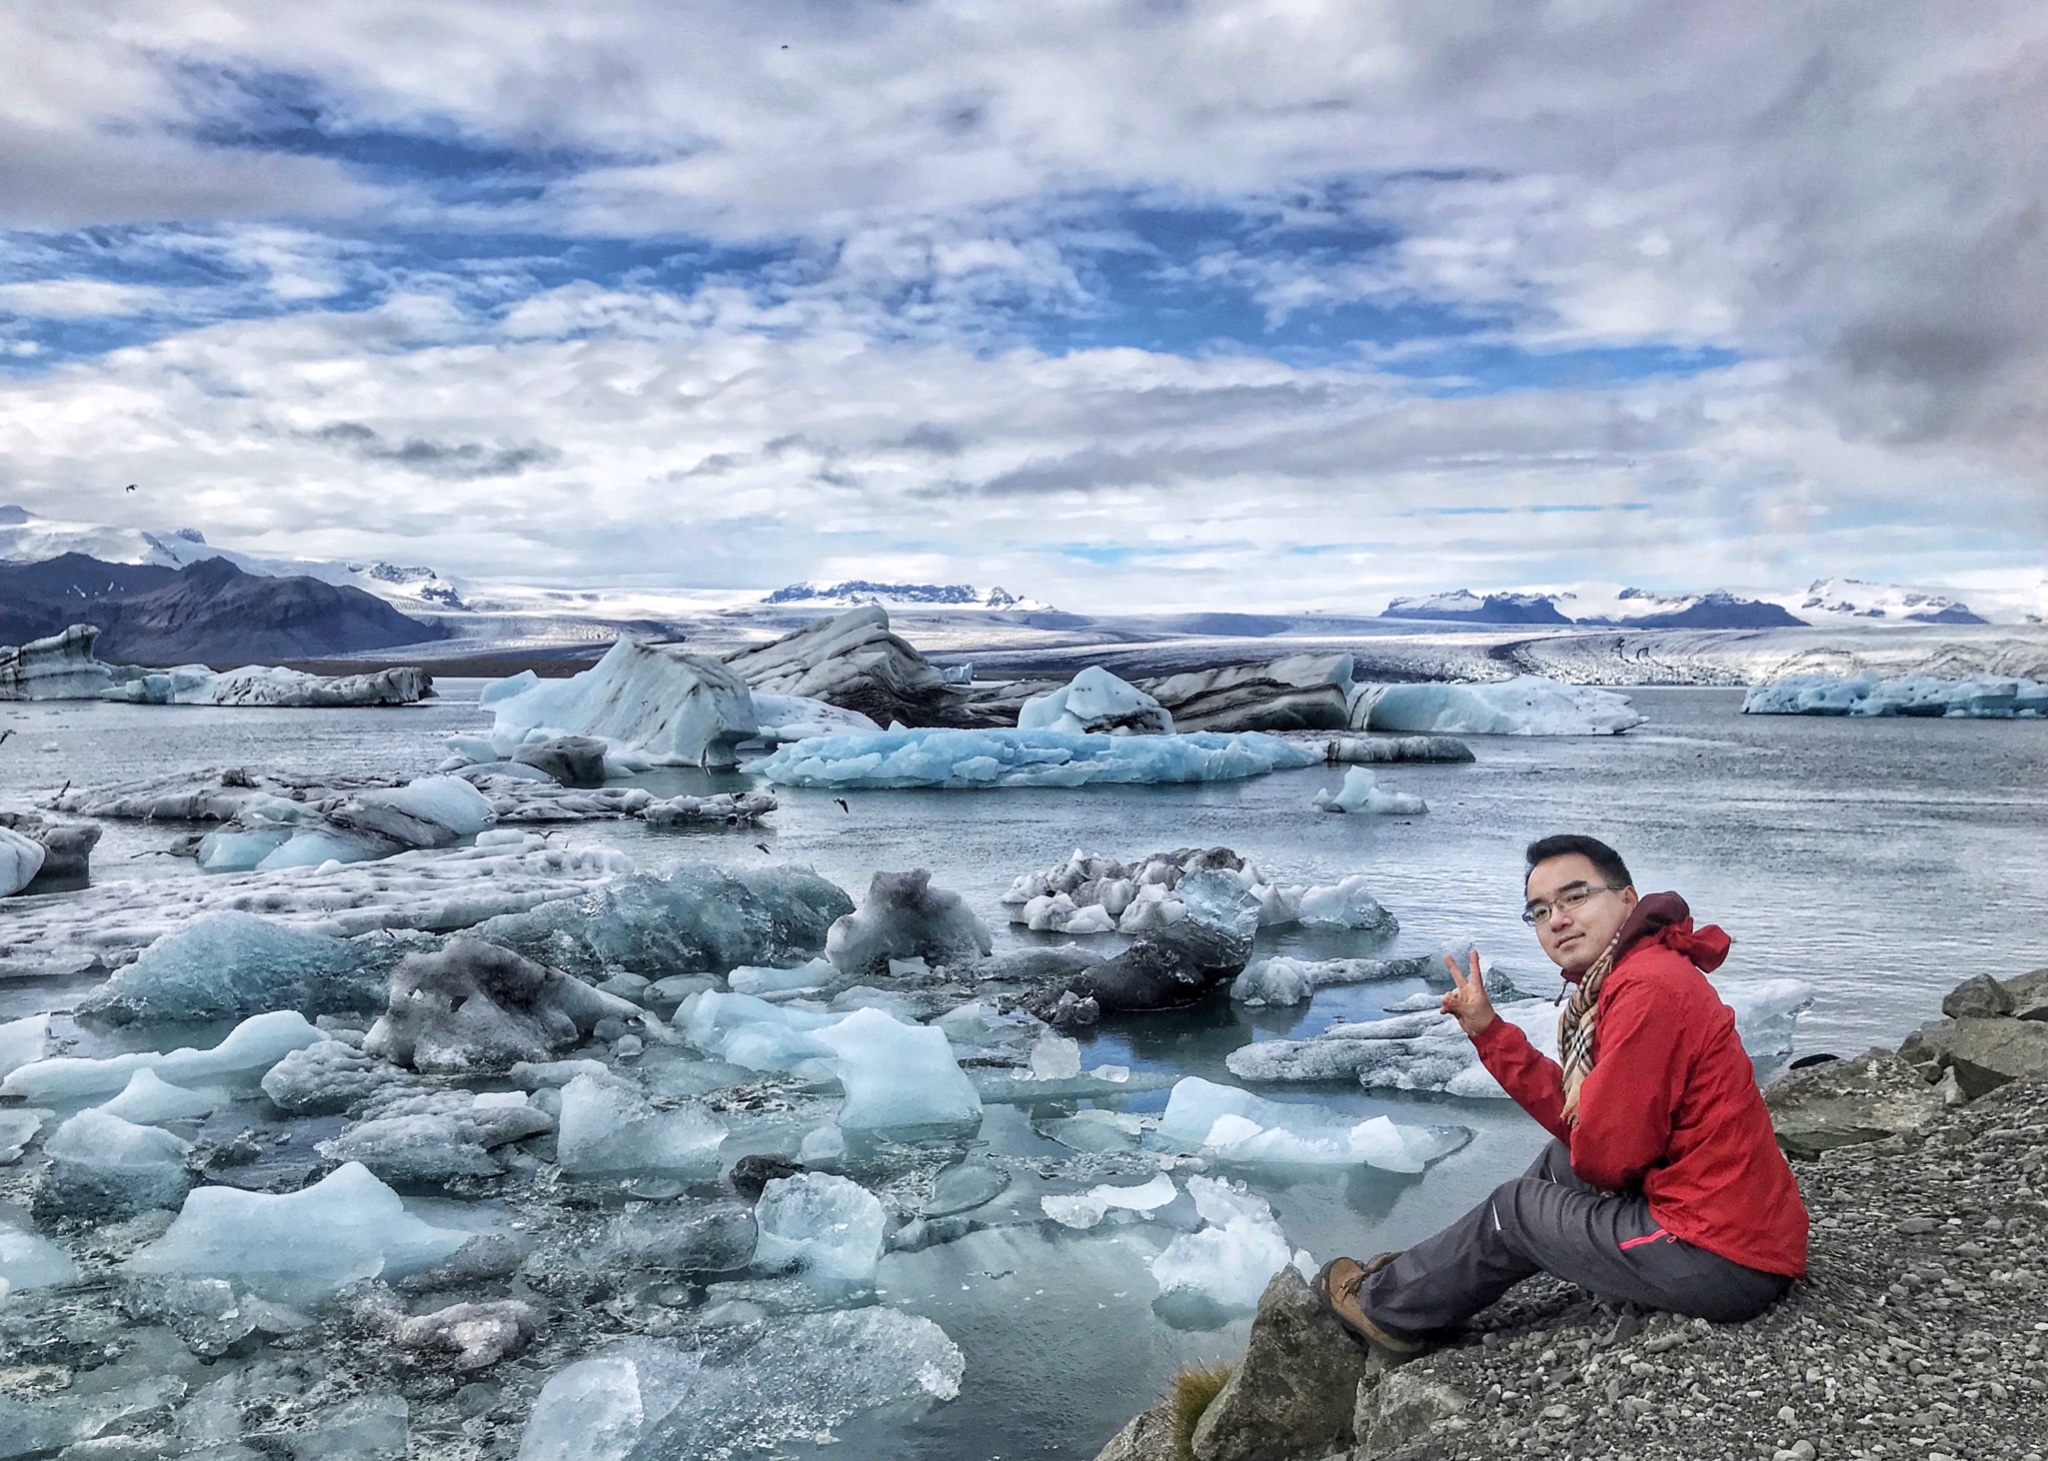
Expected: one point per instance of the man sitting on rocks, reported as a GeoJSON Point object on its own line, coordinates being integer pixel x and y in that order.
{"type": "Point", "coordinates": [1664, 1187]}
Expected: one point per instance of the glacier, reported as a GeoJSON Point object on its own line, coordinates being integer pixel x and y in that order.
{"type": "Point", "coordinates": [978, 759]}
{"type": "Point", "coordinates": [1978, 697]}
{"type": "Point", "coordinates": [1527, 705]}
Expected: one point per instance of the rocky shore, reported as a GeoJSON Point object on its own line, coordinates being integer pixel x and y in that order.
{"type": "Point", "coordinates": [1921, 1330]}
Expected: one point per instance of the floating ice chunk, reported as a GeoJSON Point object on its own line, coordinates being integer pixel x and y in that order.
{"type": "Point", "coordinates": [432, 1136]}
{"type": "Point", "coordinates": [742, 1388]}
{"type": "Point", "coordinates": [1992, 697]}
{"type": "Point", "coordinates": [747, 1030]}
{"type": "Point", "coordinates": [1055, 1058]}
{"type": "Point", "coordinates": [609, 1127]}
{"type": "Point", "coordinates": [1362, 793]}
{"type": "Point", "coordinates": [299, 1247]}
{"type": "Point", "coordinates": [229, 964]}
{"type": "Point", "coordinates": [905, 917]}
{"type": "Point", "coordinates": [18, 1127]}
{"type": "Point", "coordinates": [1345, 904]}
{"type": "Point", "coordinates": [443, 801]}
{"type": "Point", "coordinates": [31, 1261]}
{"type": "Point", "coordinates": [1527, 705]}
{"type": "Point", "coordinates": [476, 1006]}
{"type": "Point", "coordinates": [1427, 1051]}
{"type": "Point", "coordinates": [651, 701]}
{"type": "Point", "coordinates": [326, 1079]}
{"type": "Point", "coordinates": [23, 1042]}
{"type": "Point", "coordinates": [239, 852]}
{"type": "Point", "coordinates": [725, 808]}
{"type": "Point", "coordinates": [1086, 1209]}
{"type": "Point", "coordinates": [316, 847]}
{"type": "Point", "coordinates": [1094, 1130]}
{"type": "Point", "coordinates": [249, 1049]}
{"type": "Point", "coordinates": [898, 1076]}
{"type": "Point", "coordinates": [1229, 1261]}
{"type": "Point", "coordinates": [1237, 1126]}
{"type": "Point", "coordinates": [104, 1167]}
{"type": "Point", "coordinates": [979, 1028]}
{"type": "Point", "coordinates": [814, 975]}
{"type": "Point", "coordinates": [803, 718]}
{"type": "Point", "coordinates": [1283, 981]}
{"type": "Point", "coordinates": [830, 1226]}
{"type": "Point", "coordinates": [972, 759]}
{"type": "Point", "coordinates": [21, 858]}
{"type": "Point", "coordinates": [826, 1144]}
{"type": "Point", "coordinates": [148, 1099]}
{"type": "Point", "coordinates": [1096, 701]}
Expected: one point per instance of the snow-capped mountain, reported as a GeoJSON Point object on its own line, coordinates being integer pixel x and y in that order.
{"type": "Point", "coordinates": [26, 537]}
{"type": "Point", "coordinates": [903, 595]}
{"type": "Point", "coordinates": [1849, 598]}
{"type": "Point", "coordinates": [1464, 606]}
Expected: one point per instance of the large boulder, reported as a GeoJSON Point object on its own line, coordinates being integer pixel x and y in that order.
{"type": "Point", "coordinates": [1149, 1437]}
{"type": "Point", "coordinates": [855, 662]}
{"type": "Point", "coordinates": [1295, 1391]}
{"type": "Point", "coordinates": [1980, 997]}
{"type": "Point", "coordinates": [2029, 995]}
{"type": "Point", "coordinates": [1844, 1102]}
{"type": "Point", "coordinates": [1300, 692]}
{"type": "Point", "coordinates": [1402, 1410]}
{"type": "Point", "coordinates": [474, 1006]}
{"type": "Point", "coordinates": [1984, 1053]}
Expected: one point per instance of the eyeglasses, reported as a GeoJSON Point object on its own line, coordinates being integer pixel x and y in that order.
{"type": "Point", "coordinates": [1569, 897]}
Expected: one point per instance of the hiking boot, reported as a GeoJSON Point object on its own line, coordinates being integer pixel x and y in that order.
{"type": "Point", "coordinates": [1337, 1285]}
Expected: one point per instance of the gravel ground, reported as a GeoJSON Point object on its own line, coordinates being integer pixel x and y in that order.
{"type": "Point", "coordinates": [1919, 1333]}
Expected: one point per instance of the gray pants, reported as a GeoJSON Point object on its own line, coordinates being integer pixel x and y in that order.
{"type": "Point", "coordinates": [1550, 1222]}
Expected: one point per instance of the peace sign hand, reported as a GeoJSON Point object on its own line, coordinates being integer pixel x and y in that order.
{"type": "Point", "coordinates": [1467, 1002]}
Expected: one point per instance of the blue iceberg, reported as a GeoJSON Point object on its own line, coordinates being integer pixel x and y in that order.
{"type": "Point", "coordinates": [1980, 697]}
{"type": "Point", "coordinates": [989, 758]}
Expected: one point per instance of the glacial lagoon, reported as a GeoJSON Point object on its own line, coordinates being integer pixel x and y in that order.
{"type": "Point", "coordinates": [1879, 861]}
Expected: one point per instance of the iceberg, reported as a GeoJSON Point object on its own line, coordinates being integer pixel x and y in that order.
{"type": "Point", "coordinates": [1426, 1051]}
{"type": "Point", "coordinates": [1283, 981]}
{"type": "Point", "coordinates": [905, 917]}
{"type": "Point", "coordinates": [1344, 904]}
{"type": "Point", "coordinates": [1234, 1125]}
{"type": "Point", "coordinates": [1299, 692]}
{"type": "Point", "coordinates": [327, 1079]}
{"type": "Point", "coordinates": [1979, 697]}
{"type": "Point", "coordinates": [1361, 792]}
{"type": "Point", "coordinates": [1093, 893]}
{"type": "Point", "coordinates": [1229, 1261]}
{"type": "Point", "coordinates": [747, 1030]}
{"type": "Point", "coordinates": [1527, 705]}
{"type": "Point", "coordinates": [106, 1168]}
{"type": "Point", "coordinates": [476, 1006]}
{"type": "Point", "coordinates": [299, 1247]}
{"type": "Point", "coordinates": [830, 1227]}
{"type": "Point", "coordinates": [898, 1077]}
{"type": "Point", "coordinates": [21, 858]}
{"type": "Point", "coordinates": [978, 759]}
{"type": "Point", "coordinates": [1086, 1209]}
{"type": "Point", "coordinates": [22, 1042]}
{"type": "Point", "coordinates": [229, 964]}
{"type": "Point", "coordinates": [814, 975]}
{"type": "Point", "coordinates": [648, 702]}
{"type": "Point", "coordinates": [1096, 702]}
{"type": "Point", "coordinates": [249, 1049]}
{"type": "Point", "coordinates": [681, 918]}
{"type": "Point", "coordinates": [741, 1389]}
{"type": "Point", "coordinates": [608, 1127]}
{"type": "Point", "coordinates": [31, 1261]}
{"type": "Point", "coordinates": [148, 1099]}
{"type": "Point", "coordinates": [853, 662]}
{"type": "Point", "coordinates": [803, 718]}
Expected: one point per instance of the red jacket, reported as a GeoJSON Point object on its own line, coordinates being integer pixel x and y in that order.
{"type": "Point", "coordinates": [1671, 1104]}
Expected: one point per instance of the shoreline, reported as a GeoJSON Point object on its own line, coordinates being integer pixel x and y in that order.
{"type": "Point", "coordinates": [1920, 1331]}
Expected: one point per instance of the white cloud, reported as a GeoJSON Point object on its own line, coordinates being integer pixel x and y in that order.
{"type": "Point", "coordinates": [76, 299]}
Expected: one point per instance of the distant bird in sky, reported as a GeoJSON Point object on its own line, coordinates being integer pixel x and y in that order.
{"type": "Point", "coordinates": [129, 488]}
{"type": "Point", "coordinates": [843, 806]}
{"type": "Point", "coordinates": [4, 734]}
{"type": "Point", "coordinates": [764, 847]}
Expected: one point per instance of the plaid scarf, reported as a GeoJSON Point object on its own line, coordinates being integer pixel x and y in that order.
{"type": "Point", "coordinates": [1577, 1025]}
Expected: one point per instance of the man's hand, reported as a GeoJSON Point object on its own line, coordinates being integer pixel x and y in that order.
{"type": "Point", "coordinates": [1467, 1002]}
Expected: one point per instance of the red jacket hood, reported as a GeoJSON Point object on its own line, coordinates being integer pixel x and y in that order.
{"type": "Point", "coordinates": [1664, 918]}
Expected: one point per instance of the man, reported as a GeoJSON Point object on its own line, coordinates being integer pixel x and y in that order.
{"type": "Point", "coordinates": [1664, 1187]}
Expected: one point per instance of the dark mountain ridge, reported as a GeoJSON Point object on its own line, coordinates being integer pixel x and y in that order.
{"type": "Point", "coordinates": [208, 612]}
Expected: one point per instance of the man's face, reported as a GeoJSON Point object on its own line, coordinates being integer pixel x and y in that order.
{"type": "Point", "coordinates": [1576, 936]}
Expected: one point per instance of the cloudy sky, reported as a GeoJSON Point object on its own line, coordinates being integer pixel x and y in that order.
{"type": "Point", "coordinates": [1114, 302]}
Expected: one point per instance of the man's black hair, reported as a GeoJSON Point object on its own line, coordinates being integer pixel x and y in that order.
{"type": "Point", "coordinates": [1613, 871]}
